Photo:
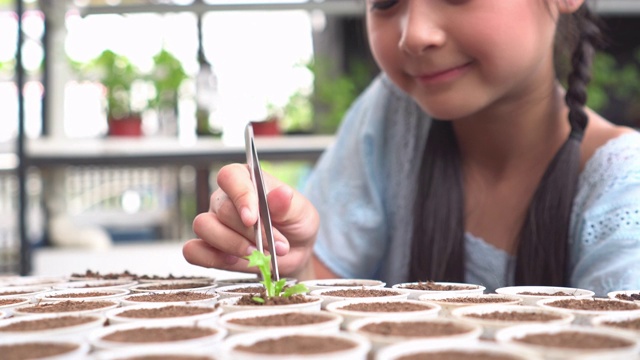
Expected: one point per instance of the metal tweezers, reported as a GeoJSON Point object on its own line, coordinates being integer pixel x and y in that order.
{"type": "Point", "coordinates": [260, 186]}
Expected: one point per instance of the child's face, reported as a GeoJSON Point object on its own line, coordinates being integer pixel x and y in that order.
{"type": "Point", "coordinates": [458, 58]}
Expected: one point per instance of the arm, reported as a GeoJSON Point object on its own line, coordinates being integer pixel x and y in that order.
{"type": "Point", "coordinates": [605, 246]}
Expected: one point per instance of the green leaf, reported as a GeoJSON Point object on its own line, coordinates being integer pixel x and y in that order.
{"type": "Point", "coordinates": [279, 285]}
{"type": "Point", "coordinates": [262, 261]}
{"type": "Point", "coordinates": [258, 299]}
{"type": "Point", "coordinates": [295, 289]}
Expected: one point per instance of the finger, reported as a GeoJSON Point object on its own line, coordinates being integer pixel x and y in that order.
{"type": "Point", "coordinates": [228, 215]}
{"type": "Point", "coordinates": [208, 227]}
{"type": "Point", "coordinates": [198, 252]}
{"type": "Point", "coordinates": [292, 213]}
{"type": "Point", "coordinates": [235, 181]}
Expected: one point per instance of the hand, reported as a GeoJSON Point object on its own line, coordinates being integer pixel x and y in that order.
{"type": "Point", "coordinates": [225, 233]}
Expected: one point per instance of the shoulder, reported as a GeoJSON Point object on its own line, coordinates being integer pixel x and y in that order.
{"type": "Point", "coordinates": [611, 170]}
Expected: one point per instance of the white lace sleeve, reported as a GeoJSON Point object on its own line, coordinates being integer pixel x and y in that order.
{"type": "Point", "coordinates": [605, 238]}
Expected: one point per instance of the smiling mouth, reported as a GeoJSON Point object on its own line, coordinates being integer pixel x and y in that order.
{"type": "Point", "coordinates": [443, 76]}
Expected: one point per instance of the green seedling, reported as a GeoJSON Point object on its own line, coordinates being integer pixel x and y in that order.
{"type": "Point", "coordinates": [273, 289]}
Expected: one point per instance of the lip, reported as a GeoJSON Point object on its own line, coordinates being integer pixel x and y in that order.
{"type": "Point", "coordinates": [443, 76]}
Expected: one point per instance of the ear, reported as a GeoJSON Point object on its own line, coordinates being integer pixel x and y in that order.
{"type": "Point", "coordinates": [568, 6]}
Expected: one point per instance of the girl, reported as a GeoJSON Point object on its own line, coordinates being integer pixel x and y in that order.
{"type": "Point", "coordinates": [516, 182]}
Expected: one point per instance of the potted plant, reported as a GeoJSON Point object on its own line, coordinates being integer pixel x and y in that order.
{"type": "Point", "coordinates": [167, 76]}
{"type": "Point", "coordinates": [275, 294]}
{"type": "Point", "coordinates": [117, 74]}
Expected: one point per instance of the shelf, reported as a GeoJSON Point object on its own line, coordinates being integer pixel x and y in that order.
{"type": "Point", "coordinates": [333, 7]}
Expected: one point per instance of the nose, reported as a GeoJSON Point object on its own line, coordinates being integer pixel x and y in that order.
{"type": "Point", "coordinates": [420, 30]}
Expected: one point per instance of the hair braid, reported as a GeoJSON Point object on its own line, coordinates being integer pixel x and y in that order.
{"type": "Point", "coordinates": [542, 249]}
{"type": "Point", "coordinates": [581, 61]}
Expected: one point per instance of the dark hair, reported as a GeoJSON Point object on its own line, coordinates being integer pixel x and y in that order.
{"type": "Point", "coordinates": [437, 248]}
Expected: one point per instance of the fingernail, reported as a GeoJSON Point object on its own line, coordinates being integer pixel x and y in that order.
{"type": "Point", "coordinates": [246, 215]}
{"type": "Point", "coordinates": [251, 249]}
{"type": "Point", "coordinates": [230, 259]}
{"type": "Point", "coordinates": [281, 248]}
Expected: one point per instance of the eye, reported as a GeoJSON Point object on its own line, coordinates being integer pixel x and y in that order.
{"type": "Point", "coordinates": [383, 4]}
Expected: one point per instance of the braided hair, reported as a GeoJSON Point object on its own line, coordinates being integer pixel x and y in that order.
{"type": "Point", "coordinates": [437, 246]}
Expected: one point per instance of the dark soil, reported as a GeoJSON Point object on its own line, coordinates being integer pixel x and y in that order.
{"type": "Point", "coordinates": [65, 306]}
{"type": "Point", "coordinates": [594, 305]}
{"type": "Point", "coordinates": [46, 324]}
{"type": "Point", "coordinates": [430, 285]}
{"type": "Point", "coordinates": [340, 284]}
{"type": "Point", "coordinates": [625, 324]}
{"type": "Point", "coordinates": [386, 307]}
{"type": "Point", "coordinates": [237, 281]}
{"type": "Point", "coordinates": [111, 276]}
{"type": "Point", "coordinates": [285, 319]}
{"type": "Point", "coordinates": [558, 293]}
{"type": "Point", "coordinates": [414, 328]}
{"type": "Point", "coordinates": [34, 350]}
{"type": "Point", "coordinates": [362, 292]}
{"type": "Point", "coordinates": [11, 301]}
{"type": "Point", "coordinates": [475, 300]}
{"type": "Point", "coordinates": [457, 355]}
{"type": "Point", "coordinates": [515, 316]}
{"type": "Point", "coordinates": [171, 277]}
{"type": "Point", "coordinates": [247, 290]}
{"type": "Point", "coordinates": [171, 297]}
{"type": "Point", "coordinates": [174, 286]}
{"type": "Point", "coordinates": [80, 295]}
{"type": "Point", "coordinates": [100, 285]}
{"type": "Point", "coordinates": [150, 335]}
{"type": "Point", "coordinates": [129, 275]}
{"type": "Point", "coordinates": [9, 293]}
{"type": "Point", "coordinates": [298, 344]}
{"type": "Point", "coordinates": [575, 340]}
{"type": "Point", "coordinates": [166, 312]}
{"type": "Point", "coordinates": [247, 300]}
{"type": "Point", "coordinates": [626, 297]}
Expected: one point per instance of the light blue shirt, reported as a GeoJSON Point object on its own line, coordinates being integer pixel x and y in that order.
{"type": "Point", "coordinates": [363, 187]}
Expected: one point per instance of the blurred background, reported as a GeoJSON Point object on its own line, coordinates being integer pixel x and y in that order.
{"type": "Point", "coordinates": [129, 107]}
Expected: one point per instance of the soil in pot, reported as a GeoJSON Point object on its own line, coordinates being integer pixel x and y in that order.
{"type": "Point", "coordinates": [632, 324]}
{"type": "Point", "coordinates": [247, 289]}
{"type": "Point", "coordinates": [298, 344]}
{"type": "Point", "coordinates": [34, 350]}
{"type": "Point", "coordinates": [173, 286]}
{"type": "Point", "coordinates": [88, 294]}
{"type": "Point", "coordinates": [575, 340]}
{"type": "Point", "coordinates": [414, 329]}
{"type": "Point", "coordinates": [171, 278]}
{"type": "Point", "coordinates": [456, 355]}
{"type": "Point", "coordinates": [171, 297]}
{"type": "Point", "coordinates": [433, 286]}
{"type": "Point", "coordinates": [166, 312]}
{"type": "Point", "coordinates": [247, 300]}
{"type": "Point", "coordinates": [155, 335]}
{"type": "Point", "coordinates": [11, 301]}
{"type": "Point", "coordinates": [516, 316]}
{"type": "Point", "coordinates": [557, 293]}
{"type": "Point", "coordinates": [594, 305]}
{"type": "Point", "coordinates": [386, 307]}
{"type": "Point", "coordinates": [626, 297]}
{"type": "Point", "coordinates": [17, 292]}
{"type": "Point", "coordinates": [46, 324]}
{"type": "Point", "coordinates": [65, 306]}
{"type": "Point", "coordinates": [476, 300]}
{"type": "Point", "coordinates": [98, 276]}
{"type": "Point", "coordinates": [360, 293]}
{"type": "Point", "coordinates": [285, 319]}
